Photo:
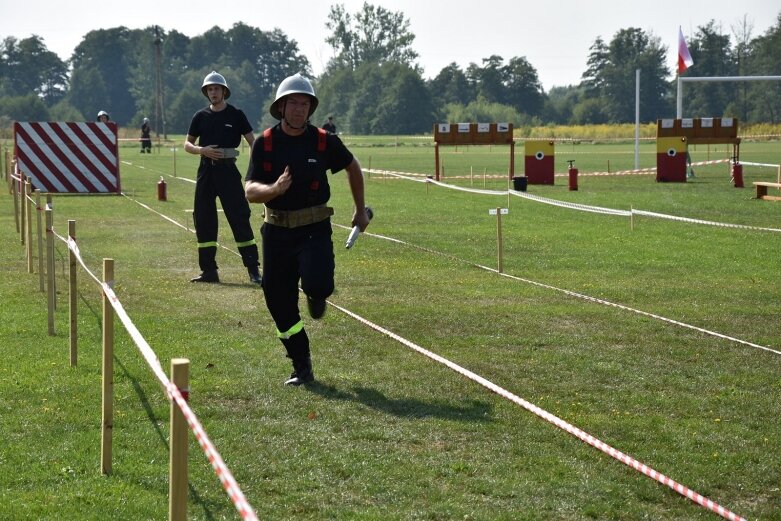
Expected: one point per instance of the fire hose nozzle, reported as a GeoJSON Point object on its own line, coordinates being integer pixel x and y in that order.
{"type": "Point", "coordinates": [356, 231]}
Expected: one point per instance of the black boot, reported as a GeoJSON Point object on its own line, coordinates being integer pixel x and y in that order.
{"type": "Point", "coordinates": [316, 307]}
{"type": "Point", "coordinates": [254, 276]}
{"type": "Point", "coordinates": [302, 373]}
{"type": "Point", "coordinates": [206, 276]}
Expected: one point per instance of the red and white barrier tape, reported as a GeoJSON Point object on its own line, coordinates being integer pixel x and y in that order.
{"type": "Point", "coordinates": [587, 438]}
{"type": "Point", "coordinates": [584, 207]}
{"type": "Point", "coordinates": [558, 422]}
{"type": "Point", "coordinates": [174, 394]}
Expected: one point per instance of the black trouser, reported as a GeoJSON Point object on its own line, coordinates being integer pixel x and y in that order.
{"type": "Point", "coordinates": [289, 255]}
{"type": "Point", "coordinates": [146, 144]}
{"type": "Point", "coordinates": [222, 180]}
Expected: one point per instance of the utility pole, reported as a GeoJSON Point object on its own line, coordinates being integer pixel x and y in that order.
{"type": "Point", "coordinates": [159, 113]}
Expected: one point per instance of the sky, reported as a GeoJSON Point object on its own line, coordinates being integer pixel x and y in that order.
{"type": "Point", "coordinates": [553, 36]}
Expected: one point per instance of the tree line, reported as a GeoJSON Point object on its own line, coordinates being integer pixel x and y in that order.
{"type": "Point", "coordinates": [373, 84]}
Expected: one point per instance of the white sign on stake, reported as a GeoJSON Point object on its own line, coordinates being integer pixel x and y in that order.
{"type": "Point", "coordinates": [502, 127]}
{"type": "Point", "coordinates": [483, 127]}
{"type": "Point", "coordinates": [492, 211]}
{"type": "Point", "coordinates": [444, 128]}
{"type": "Point", "coordinates": [463, 128]}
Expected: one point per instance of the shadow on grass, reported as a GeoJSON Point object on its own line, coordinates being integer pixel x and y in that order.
{"type": "Point", "coordinates": [475, 411]}
{"type": "Point", "coordinates": [144, 401]}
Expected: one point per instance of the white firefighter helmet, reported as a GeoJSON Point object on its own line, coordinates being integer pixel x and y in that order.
{"type": "Point", "coordinates": [215, 78]}
{"type": "Point", "coordinates": [102, 113]}
{"type": "Point", "coordinates": [295, 84]}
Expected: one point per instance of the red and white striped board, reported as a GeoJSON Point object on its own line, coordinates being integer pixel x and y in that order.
{"type": "Point", "coordinates": [69, 157]}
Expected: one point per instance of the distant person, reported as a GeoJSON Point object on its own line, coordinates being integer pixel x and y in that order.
{"type": "Point", "coordinates": [103, 117]}
{"type": "Point", "coordinates": [329, 125]}
{"type": "Point", "coordinates": [288, 173]}
{"type": "Point", "coordinates": [146, 139]}
{"type": "Point", "coordinates": [219, 129]}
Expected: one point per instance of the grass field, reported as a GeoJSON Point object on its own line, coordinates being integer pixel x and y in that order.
{"type": "Point", "coordinates": [386, 433]}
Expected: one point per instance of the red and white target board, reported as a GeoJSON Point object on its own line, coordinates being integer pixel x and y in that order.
{"type": "Point", "coordinates": [69, 157]}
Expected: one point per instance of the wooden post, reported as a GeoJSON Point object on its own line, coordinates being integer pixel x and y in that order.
{"type": "Point", "coordinates": [23, 207]}
{"type": "Point", "coordinates": [499, 248]}
{"type": "Point", "coordinates": [29, 221]}
{"type": "Point", "coordinates": [631, 218]}
{"type": "Point", "coordinates": [484, 172]}
{"type": "Point", "coordinates": [15, 192]}
{"type": "Point", "coordinates": [50, 269]}
{"type": "Point", "coordinates": [177, 467]}
{"type": "Point", "coordinates": [50, 206]}
{"type": "Point", "coordinates": [471, 176]}
{"type": "Point", "coordinates": [512, 160]}
{"type": "Point", "coordinates": [74, 301]}
{"type": "Point", "coordinates": [436, 161]}
{"type": "Point", "coordinates": [107, 423]}
{"type": "Point", "coordinates": [39, 226]}
{"type": "Point", "coordinates": [242, 148]}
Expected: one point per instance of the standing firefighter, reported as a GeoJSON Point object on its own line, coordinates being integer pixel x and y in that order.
{"type": "Point", "coordinates": [146, 139]}
{"type": "Point", "coordinates": [288, 173]}
{"type": "Point", "coordinates": [219, 128]}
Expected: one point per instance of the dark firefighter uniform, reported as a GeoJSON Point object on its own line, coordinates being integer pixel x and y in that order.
{"type": "Point", "coordinates": [220, 178]}
{"type": "Point", "coordinates": [297, 228]}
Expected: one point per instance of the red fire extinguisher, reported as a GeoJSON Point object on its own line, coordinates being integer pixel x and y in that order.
{"type": "Point", "coordinates": [737, 173]}
{"type": "Point", "coordinates": [162, 194]}
{"type": "Point", "coordinates": [573, 175]}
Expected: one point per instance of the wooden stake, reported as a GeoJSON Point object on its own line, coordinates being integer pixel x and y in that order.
{"type": "Point", "coordinates": [15, 191]}
{"type": "Point", "coordinates": [23, 213]}
{"type": "Point", "coordinates": [499, 247]}
{"type": "Point", "coordinates": [29, 220]}
{"type": "Point", "coordinates": [107, 423]}
{"type": "Point", "coordinates": [50, 269]}
{"type": "Point", "coordinates": [39, 229]}
{"type": "Point", "coordinates": [73, 297]}
{"type": "Point", "coordinates": [177, 466]}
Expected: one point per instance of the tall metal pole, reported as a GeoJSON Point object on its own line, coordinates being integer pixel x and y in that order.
{"type": "Point", "coordinates": [637, 119]}
{"type": "Point", "coordinates": [159, 114]}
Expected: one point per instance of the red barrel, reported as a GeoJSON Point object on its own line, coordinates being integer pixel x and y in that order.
{"type": "Point", "coordinates": [737, 175]}
{"type": "Point", "coordinates": [162, 194]}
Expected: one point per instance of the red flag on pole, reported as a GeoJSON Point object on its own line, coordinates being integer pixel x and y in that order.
{"type": "Point", "coordinates": [684, 58]}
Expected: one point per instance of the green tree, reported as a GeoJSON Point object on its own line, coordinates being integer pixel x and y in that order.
{"type": "Point", "coordinates": [766, 61]}
{"type": "Point", "coordinates": [88, 93]}
{"type": "Point", "coordinates": [29, 107]}
{"type": "Point", "coordinates": [450, 86]}
{"type": "Point", "coordinates": [404, 106]}
{"type": "Point", "coordinates": [610, 76]}
{"type": "Point", "coordinates": [713, 56]}
{"type": "Point", "coordinates": [106, 53]}
{"type": "Point", "coordinates": [372, 35]}
{"type": "Point", "coordinates": [489, 79]}
{"type": "Point", "coordinates": [524, 90]}
{"type": "Point", "coordinates": [28, 66]}
{"type": "Point", "coordinates": [482, 110]}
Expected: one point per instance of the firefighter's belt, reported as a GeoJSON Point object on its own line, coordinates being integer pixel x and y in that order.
{"type": "Point", "coordinates": [228, 153]}
{"type": "Point", "coordinates": [296, 218]}
{"type": "Point", "coordinates": [223, 161]}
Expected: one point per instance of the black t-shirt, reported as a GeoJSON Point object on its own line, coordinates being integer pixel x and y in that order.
{"type": "Point", "coordinates": [223, 128]}
{"type": "Point", "coordinates": [308, 167]}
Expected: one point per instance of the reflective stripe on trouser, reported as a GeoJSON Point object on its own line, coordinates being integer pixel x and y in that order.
{"type": "Point", "coordinates": [297, 344]}
{"type": "Point", "coordinates": [223, 181]}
